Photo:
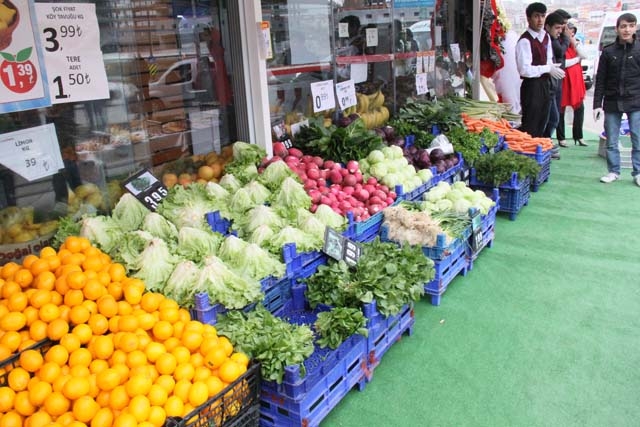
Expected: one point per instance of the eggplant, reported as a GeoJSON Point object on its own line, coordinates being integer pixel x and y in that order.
{"type": "Point", "coordinates": [390, 132]}
{"type": "Point", "coordinates": [399, 141]}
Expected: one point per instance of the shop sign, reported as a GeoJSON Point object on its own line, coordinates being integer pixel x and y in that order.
{"type": "Point", "coordinates": [32, 153]}
{"type": "Point", "coordinates": [346, 93]}
{"type": "Point", "coordinates": [413, 3]}
{"type": "Point", "coordinates": [23, 81]}
{"type": "Point", "coordinates": [146, 188]}
{"type": "Point", "coordinates": [70, 39]}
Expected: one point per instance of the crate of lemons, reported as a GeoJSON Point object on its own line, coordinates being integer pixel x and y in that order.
{"type": "Point", "coordinates": [201, 168]}
{"type": "Point", "coordinates": [17, 225]}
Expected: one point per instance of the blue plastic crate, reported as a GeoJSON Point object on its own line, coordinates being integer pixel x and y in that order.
{"type": "Point", "coordinates": [514, 195]}
{"type": "Point", "coordinates": [276, 292]}
{"type": "Point", "coordinates": [384, 331]}
{"type": "Point", "coordinates": [330, 375]}
{"type": "Point", "coordinates": [499, 146]}
{"type": "Point", "coordinates": [295, 261]}
{"type": "Point", "coordinates": [446, 270]}
{"type": "Point", "coordinates": [365, 231]}
{"type": "Point", "coordinates": [218, 223]}
{"type": "Point", "coordinates": [487, 228]}
{"type": "Point", "coordinates": [543, 158]}
{"type": "Point", "coordinates": [441, 249]}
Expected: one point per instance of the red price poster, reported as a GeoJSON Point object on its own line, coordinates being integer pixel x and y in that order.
{"type": "Point", "coordinates": [22, 75]}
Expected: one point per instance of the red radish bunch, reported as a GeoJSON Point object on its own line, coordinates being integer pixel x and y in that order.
{"type": "Point", "coordinates": [342, 188]}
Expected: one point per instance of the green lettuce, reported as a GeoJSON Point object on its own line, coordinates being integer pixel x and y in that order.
{"type": "Point", "coordinates": [160, 227]}
{"type": "Point", "coordinates": [246, 153]}
{"type": "Point", "coordinates": [275, 173]}
{"type": "Point", "coordinates": [129, 212]}
{"type": "Point", "coordinates": [256, 217]}
{"type": "Point", "coordinates": [305, 242]}
{"type": "Point", "coordinates": [250, 260]}
{"type": "Point", "coordinates": [155, 264]}
{"type": "Point", "coordinates": [103, 231]}
{"type": "Point", "coordinates": [181, 285]}
{"type": "Point", "coordinates": [227, 287]}
{"type": "Point", "coordinates": [130, 247]}
{"type": "Point", "coordinates": [196, 243]}
{"type": "Point", "coordinates": [331, 218]}
{"type": "Point", "coordinates": [262, 235]}
{"type": "Point", "coordinates": [290, 197]}
{"type": "Point", "coordinates": [188, 206]}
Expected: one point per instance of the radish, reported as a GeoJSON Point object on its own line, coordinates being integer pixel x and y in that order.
{"type": "Point", "coordinates": [310, 184]}
{"type": "Point", "coordinates": [329, 164]}
{"type": "Point", "coordinates": [280, 150]}
{"type": "Point", "coordinates": [349, 180]}
{"type": "Point", "coordinates": [295, 152]}
{"type": "Point", "coordinates": [335, 177]}
{"type": "Point", "coordinates": [343, 172]}
{"type": "Point", "coordinates": [315, 195]}
{"type": "Point", "coordinates": [372, 180]}
{"type": "Point", "coordinates": [313, 173]}
{"type": "Point", "coordinates": [348, 190]}
{"type": "Point", "coordinates": [373, 209]}
{"type": "Point", "coordinates": [318, 161]}
{"type": "Point", "coordinates": [362, 195]}
{"type": "Point", "coordinates": [292, 160]}
{"type": "Point", "coordinates": [375, 200]}
{"type": "Point", "coordinates": [352, 166]}
{"type": "Point", "coordinates": [306, 159]}
{"type": "Point", "coordinates": [358, 175]}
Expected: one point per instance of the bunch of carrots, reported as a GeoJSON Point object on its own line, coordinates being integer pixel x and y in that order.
{"type": "Point", "coordinates": [517, 140]}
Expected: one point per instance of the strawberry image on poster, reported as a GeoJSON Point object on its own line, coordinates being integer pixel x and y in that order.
{"type": "Point", "coordinates": [18, 73]}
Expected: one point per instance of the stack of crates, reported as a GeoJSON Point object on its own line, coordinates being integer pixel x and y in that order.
{"type": "Point", "coordinates": [543, 158]}
{"type": "Point", "coordinates": [514, 194]}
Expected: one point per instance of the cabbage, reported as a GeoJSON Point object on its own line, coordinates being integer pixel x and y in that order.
{"type": "Point", "coordinates": [331, 218]}
{"type": "Point", "coordinates": [444, 204]}
{"type": "Point", "coordinates": [256, 263]}
{"type": "Point", "coordinates": [314, 227]}
{"type": "Point", "coordinates": [454, 195]}
{"type": "Point", "coordinates": [182, 284]}
{"type": "Point", "coordinates": [364, 165]}
{"type": "Point", "coordinates": [396, 152]}
{"type": "Point", "coordinates": [244, 173]}
{"type": "Point", "coordinates": [375, 156]}
{"type": "Point", "coordinates": [230, 183]}
{"type": "Point", "coordinates": [227, 287]}
{"type": "Point", "coordinates": [461, 205]}
{"type": "Point", "coordinates": [246, 153]}
{"type": "Point", "coordinates": [258, 192]}
{"type": "Point", "coordinates": [197, 243]}
{"type": "Point", "coordinates": [261, 235]}
{"type": "Point", "coordinates": [160, 227]}
{"type": "Point", "coordinates": [241, 202]}
{"type": "Point", "coordinates": [290, 197]}
{"type": "Point", "coordinates": [232, 247]}
{"type": "Point", "coordinates": [217, 192]}
{"type": "Point", "coordinates": [256, 217]}
{"type": "Point", "coordinates": [155, 264]}
{"type": "Point", "coordinates": [188, 206]}
{"type": "Point", "coordinates": [305, 242]}
{"type": "Point", "coordinates": [387, 152]}
{"type": "Point", "coordinates": [103, 232]}
{"type": "Point", "coordinates": [275, 173]}
{"type": "Point", "coordinates": [459, 185]}
{"type": "Point", "coordinates": [378, 170]}
{"type": "Point", "coordinates": [130, 247]}
{"type": "Point", "coordinates": [426, 175]}
{"type": "Point", "coordinates": [129, 212]}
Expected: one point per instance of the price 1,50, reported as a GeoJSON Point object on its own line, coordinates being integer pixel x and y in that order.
{"type": "Point", "coordinates": [78, 79]}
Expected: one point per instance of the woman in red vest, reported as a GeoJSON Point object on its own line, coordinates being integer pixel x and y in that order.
{"type": "Point", "coordinates": [573, 89]}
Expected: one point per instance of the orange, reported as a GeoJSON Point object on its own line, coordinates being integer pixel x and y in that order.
{"type": "Point", "coordinates": [49, 372]}
{"type": "Point", "coordinates": [98, 324]}
{"type": "Point", "coordinates": [153, 350]}
{"type": "Point", "coordinates": [40, 297]}
{"type": "Point", "coordinates": [139, 407]}
{"type": "Point", "coordinates": [66, 419]}
{"type": "Point", "coordinates": [226, 345]}
{"type": "Point", "coordinates": [93, 289]}
{"type": "Point", "coordinates": [146, 321]}
{"type": "Point", "coordinates": [61, 284]}
{"type": "Point", "coordinates": [171, 343]}
{"type": "Point", "coordinates": [240, 358]}
{"type": "Point", "coordinates": [128, 323]}
{"type": "Point", "coordinates": [9, 288]}
{"type": "Point", "coordinates": [54, 262]}
{"type": "Point", "coordinates": [229, 371]}
{"type": "Point", "coordinates": [174, 407]}
{"type": "Point", "coordinates": [182, 354]}
{"type": "Point", "coordinates": [49, 312]}
{"type": "Point", "coordinates": [157, 395]}
{"type": "Point", "coordinates": [118, 398]}
{"type": "Point", "coordinates": [102, 347]}
{"type": "Point", "coordinates": [23, 277]}
{"type": "Point", "coordinates": [57, 328]}
{"type": "Point", "coordinates": [39, 266]}
{"type": "Point", "coordinates": [108, 379]}
{"type": "Point", "coordinates": [178, 328]}
{"type": "Point", "coordinates": [11, 419]}
{"type": "Point", "coordinates": [47, 251]}
{"type": "Point", "coordinates": [196, 359]}
{"type": "Point", "coordinates": [57, 354]}
{"type": "Point", "coordinates": [170, 314]}
{"type": "Point", "coordinates": [133, 290]}
{"type": "Point", "coordinates": [136, 358]}
{"type": "Point", "coordinates": [115, 290]}
{"type": "Point", "coordinates": [214, 385]}
{"type": "Point", "coordinates": [76, 387]}
{"type": "Point", "coordinates": [215, 358]}
{"type": "Point", "coordinates": [7, 395]}
{"type": "Point", "coordinates": [92, 263]}
{"type": "Point", "coordinates": [201, 373]}
{"type": "Point", "coordinates": [79, 371]}
{"type": "Point", "coordinates": [73, 297]}
{"type": "Point", "coordinates": [98, 365]}
{"type": "Point", "coordinates": [81, 357]}
{"type": "Point", "coordinates": [184, 371]}
{"type": "Point", "coordinates": [126, 341]}
{"type": "Point", "coordinates": [90, 305]}
{"type": "Point", "coordinates": [168, 303]}
{"type": "Point", "coordinates": [39, 392]}
{"type": "Point", "coordinates": [56, 297]}
{"type": "Point", "coordinates": [83, 332]}
{"type": "Point", "coordinates": [117, 272]}
{"type": "Point", "coordinates": [11, 340]}
{"type": "Point", "coordinates": [122, 370]}
{"type": "Point", "coordinates": [85, 408]}
{"type": "Point", "coordinates": [45, 281]}
{"type": "Point", "coordinates": [166, 364]}
{"type": "Point", "coordinates": [70, 341]}
{"type": "Point", "coordinates": [192, 340]}
{"type": "Point", "coordinates": [39, 419]}
{"type": "Point", "coordinates": [124, 308]}
{"type": "Point", "coordinates": [125, 419]}
{"type": "Point", "coordinates": [184, 315]}
{"type": "Point", "coordinates": [167, 382]}
{"type": "Point", "coordinates": [22, 404]}
{"type": "Point", "coordinates": [107, 306]}
{"type": "Point", "coordinates": [208, 344]}
{"type": "Point", "coordinates": [104, 279]}
{"type": "Point", "coordinates": [18, 378]}
{"type": "Point", "coordinates": [137, 385]}
{"type": "Point", "coordinates": [198, 393]}
{"type": "Point", "coordinates": [150, 301]}
{"type": "Point", "coordinates": [118, 357]}
{"type": "Point", "coordinates": [76, 244]}
{"type": "Point", "coordinates": [31, 360]}
{"type": "Point", "coordinates": [5, 353]}
{"type": "Point", "coordinates": [13, 321]}
{"type": "Point", "coordinates": [9, 269]}
{"type": "Point", "coordinates": [162, 330]}
{"type": "Point", "coordinates": [18, 301]}
{"type": "Point", "coordinates": [157, 416]}
{"type": "Point", "coordinates": [181, 389]}
{"type": "Point", "coordinates": [76, 280]}
{"type": "Point", "coordinates": [102, 418]}
{"type": "Point", "coordinates": [79, 315]}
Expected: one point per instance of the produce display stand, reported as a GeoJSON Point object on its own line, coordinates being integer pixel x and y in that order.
{"type": "Point", "coordinates": [487, 228]}
{"type": "Point", "coordinates": [543, 158]}
{"type": "Point", "coordinates": [306, 399]}
{"type": "Point", "coordinates": [514, 194]}
{"type": "Point", "coordinates": [446, 269]}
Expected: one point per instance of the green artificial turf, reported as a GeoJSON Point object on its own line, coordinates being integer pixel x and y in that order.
{"type": "Point", "coordinates": [543, 331]}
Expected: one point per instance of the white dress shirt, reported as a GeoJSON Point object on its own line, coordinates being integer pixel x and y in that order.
{"type": "Point", "coordinates": [524, 57]}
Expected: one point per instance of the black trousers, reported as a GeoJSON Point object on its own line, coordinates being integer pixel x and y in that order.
{"type": "Point", "coordinates": [576, 129]}
{"type": "Point", "coordinates": [535, 100]}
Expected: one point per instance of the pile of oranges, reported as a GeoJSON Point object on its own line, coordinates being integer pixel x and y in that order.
{"type": "Point", "coordinates": [118, 356]}
{"type": "Point", "coordinates": [200, 168]}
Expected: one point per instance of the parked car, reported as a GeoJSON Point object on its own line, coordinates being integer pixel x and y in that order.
{"type": "Point", "coordinates": [587, 72]}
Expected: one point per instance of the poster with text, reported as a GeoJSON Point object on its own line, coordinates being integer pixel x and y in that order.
{"type": "Point", "coordinates": [70, 39]}
{"type": "Point", "coordinates": [23, 80]}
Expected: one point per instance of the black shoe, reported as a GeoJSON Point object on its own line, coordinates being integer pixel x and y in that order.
{"type": "Point", "coordinates": [562, 143]}
{"type": "Point", "coordinates": [555, 156]}
{"type": "Point", "coordinates": [580, 143]}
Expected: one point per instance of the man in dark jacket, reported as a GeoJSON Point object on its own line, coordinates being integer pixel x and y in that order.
{"type": "Point", "coordinates": [617, 91]}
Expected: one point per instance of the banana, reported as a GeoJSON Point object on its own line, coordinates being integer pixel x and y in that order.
{"type": "Point", "coordinates": [363, 103]}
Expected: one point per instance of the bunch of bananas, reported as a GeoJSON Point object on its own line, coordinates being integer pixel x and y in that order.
{"type": "Point", "coordinates": [372, 110]}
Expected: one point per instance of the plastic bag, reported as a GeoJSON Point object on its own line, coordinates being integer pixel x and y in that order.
{"type": "Point", "coordinates": [442, 142]}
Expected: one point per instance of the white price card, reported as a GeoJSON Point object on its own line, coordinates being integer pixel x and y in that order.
{"type": "Point", "coordinates": [295, 127]}
{"type": "Point", "coordinates": [70, 39]}
{"type": "Point", "coordinates": [359, 72]}
{"type": "Point", "coordinates": [346, 93]}
{"type": "Point", "coordinates": [421, 84]}
{"type": "Point", "coordinates": [419, 63]}
{"type": "Point", "coordinates": [455, 52]}
{"type": "Point", "coordinates": [32, 153]}
{"type": "Point", "coordinates": [323, 96]}
{"type": "Point", "coordinates": [430, 61]}
{"type": "Point", "coordinates": [372, 37]}
{"type": "Point", "coordinates": [343, 30]}
{"type": "Point", "coordinates": [266, 49]}
{"type": "Point", "coordinates": [23, 80]}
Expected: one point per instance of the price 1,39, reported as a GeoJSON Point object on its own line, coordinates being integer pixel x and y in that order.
{"type": "Point", "coordinates": [77, 79]}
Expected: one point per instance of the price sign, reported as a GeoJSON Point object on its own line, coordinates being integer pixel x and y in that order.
{"type": "Point", "coordinates": [346, 93]}
{"type": "Point", "coordinates": [146, 188]}
{"type": "Point", "coordinates": [339, 247]}
{"type": "Point", "coordinates": [419, 63]}
{"type": "Point", "coordinates": [323, 96]}
{"type": "Point", "coordinates": [32, 153]}
{"type": "Point", "coordinates": [421, 84]}
{"type": "Point", "coordinates": [372, 37]}
{"type": "Point", "coordinates": [343, 30]}
{"type": "Point", "coordinates": [455, 52]}
{"type": "Point", "coordinates": [22, 74]}
{"type": "Point", "coordinates": [266, 48]}
{"type": "Point", "coordinates": [476, 232]}
{"type": "Point", "coordinates": [71, 41]}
